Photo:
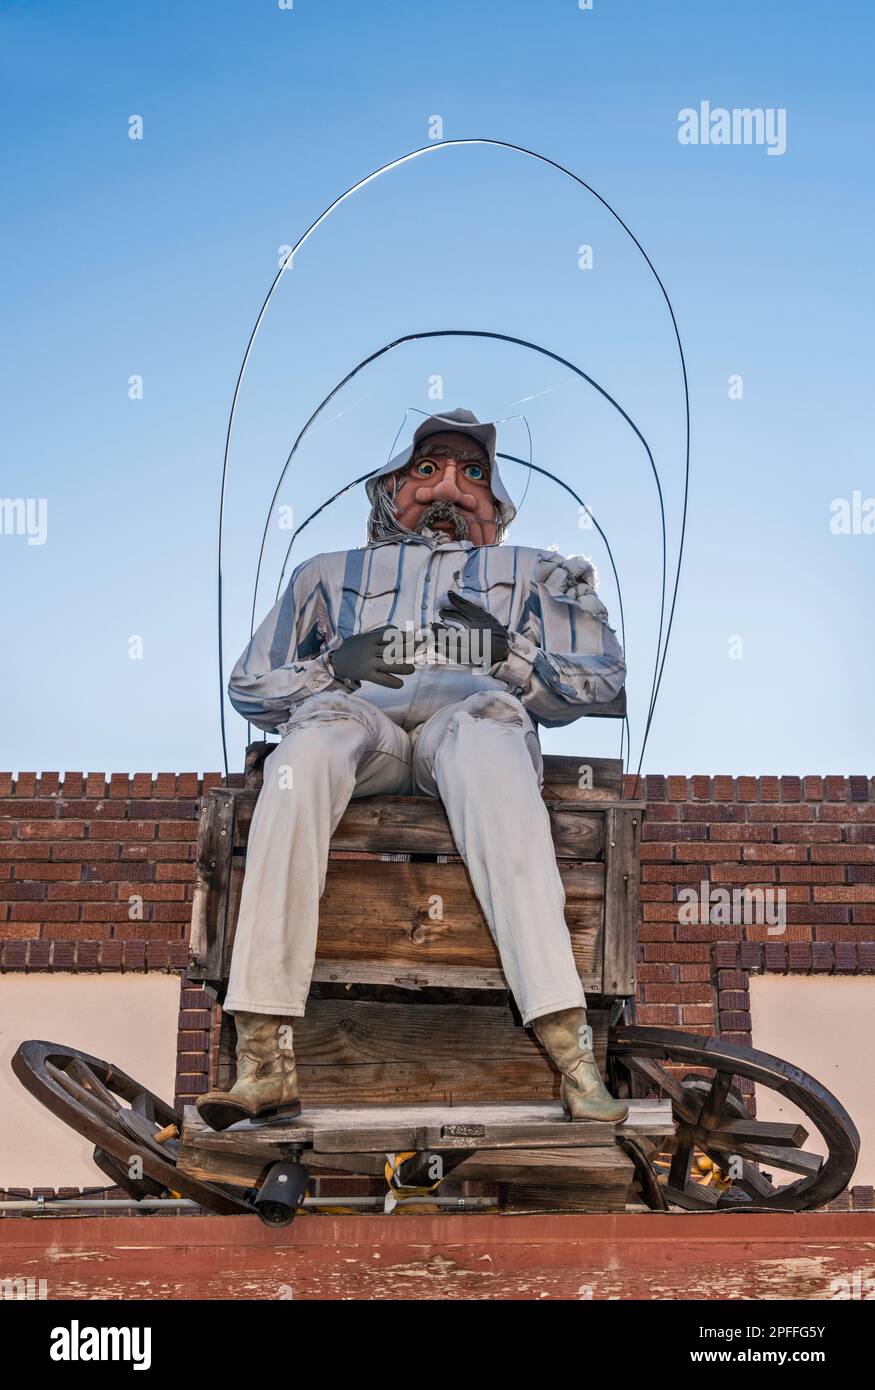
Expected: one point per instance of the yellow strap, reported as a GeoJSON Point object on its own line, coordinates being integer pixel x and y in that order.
{"type": "Point", "coordinates": [397, 1188]}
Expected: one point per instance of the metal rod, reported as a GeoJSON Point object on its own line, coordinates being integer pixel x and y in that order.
{"type": "Point", "coordinates": [38, 1204]}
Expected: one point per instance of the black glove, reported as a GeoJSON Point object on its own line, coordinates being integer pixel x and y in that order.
{"type": "Point", "coordinates": [363, 658]}
{"type": "Point", "coordinates": [461, 611]}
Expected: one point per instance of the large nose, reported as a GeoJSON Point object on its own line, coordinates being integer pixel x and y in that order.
{"type": "Point", "coordinates": [447, 488]}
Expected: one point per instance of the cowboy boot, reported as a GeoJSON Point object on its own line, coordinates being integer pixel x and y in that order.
{"type": "Point", "coordinates": [583, 1092]}
{"type": "Point", "coordinates": [267, 1082]}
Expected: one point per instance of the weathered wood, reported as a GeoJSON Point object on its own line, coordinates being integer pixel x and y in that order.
{"type": "Point", "coordinates": [426, 915]}
{"type": "Point", "coordinates": [606, 1166]}
{"type": "Point", "coordinates": [357, 1051]}
{"type": "Point", "coordinates": [489, 1142]}
{"type": "Point", "coordinates": [622, 837]}
{"type": "Point", "coordinates": [433, 1126]}
{"type": "Point", "coordinates": [418, 825]}
{"type": "Point", "coordinates": [212, 871]}
{"type": "Point", "coordinates": [522, 1198]}
{"type": "Point", "coordinates": [572, 779]}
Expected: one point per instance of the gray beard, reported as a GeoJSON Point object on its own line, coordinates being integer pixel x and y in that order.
{"type": "Point", "coordinates": [444, 511]}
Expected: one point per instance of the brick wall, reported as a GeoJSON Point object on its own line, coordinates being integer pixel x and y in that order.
{"type": "Point", "coordinates": [812, 837]}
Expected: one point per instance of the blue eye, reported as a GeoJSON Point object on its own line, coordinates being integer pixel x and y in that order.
{"type": "Point", "coordinates": [425, 469]}
{"type": "Point", "coordinates": [474, 472]}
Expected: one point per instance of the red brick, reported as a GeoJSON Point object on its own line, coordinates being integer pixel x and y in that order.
{"type": "Point", "coordinates": [25, 784]}
{"type": "Point", "coordinates": [699, 1013]}
{"type": "Point", "coordinates": [119, 784]}
{"type": "Point", "coordinates": [843, 854]}
{"type": "Point", "coordinates": [652, 892]}
{"type": "Point", "coordinates": [724, 788]}
{"type": "Point", "coordinates": [812, 788]}
{"type": "Point", "coordinates": [176, 871]}
{"type": "Point", "coordinates": [45, 872]}
{"type": "Point", "coordinates": [678, 994]}
{"type": "Point", "coordinates": [107, 912]}
{"type": "Point", "coordinates": [779, 854]}
{"type": "Point", "coordinates": [746, 833]}
{"type": "Point", "coordinates": [172, 912]}
{"type": "Point", "coordinates": [853, 893]}
{"type": "Point", "coordinates": [700, 788]}
{"type": "Point", "coordinates": [122, 830]}
{"type": "Point", "coordinates": [770, 789]}
{"type": "Point", "coordinates": [21, 892]}
{"type": "Point", "coordinates": [656, 1016]}
{"type": "Point", "coordinates": [689, 973]}
{"type": "Point", "coordinates": [773, 814]}
{"type": "Point", "coordinates": [657, 973]}
{"type": "Point", "coordinates": [836, 788]}
{"type": "Point", "coordinates": [44, 912]}
{"type": "Point", "coordinates": [660, 912]}
{"type": "Point", "coordinates": [6, 784]}
{"type": "Point", "coordinates": [82, 808]}
{"type": "Point", "coordinates": [656, 931]}
{"type": "Point", "coordinates": [165, 784]}
{"type": "Point", "coordinates": [95, 784]}
{"type": "Point", "coordinates": [150, 892]}
{"type": "Point", "coordinates": [178, 829]}
{"type": "Point", "coordinates": [81, 892]}
{"type": "Point", "coordinates": [23, 851]}
{"type": "Point", "coordinates": [649, 852]}
{"type": "Point", "coordinates": [811, 873]}
{"type": "Point", "coordinates": [187, 784]}
{"type": "Point", "coordinates": [74, 784]}
{"type": "Point", "coordinates": [675, 952]}
{"type": "Point", "coordinates": [61, 853]}
{"type": "Point", "coordinates": [809, 834]}
{"type": "Point", "coordinates": [705, 852]}
{"type": "Point", "coordinates": [862, 813]}
{"type": "Point", "coordinates": [141, 785]}
{"type": "Point", "coordinates": [51, 829]}
{"type": "Point", "coordinates": [746, 788]}
{"type": "Point", "coordinates": [677, 788]}
{"type": "Point", "coordinates": [22, 808]}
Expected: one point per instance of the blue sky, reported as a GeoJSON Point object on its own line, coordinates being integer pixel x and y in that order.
{"type": "Point", "coordinates": [150, 258]}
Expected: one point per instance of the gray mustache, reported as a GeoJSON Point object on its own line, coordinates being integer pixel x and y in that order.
{"type": "Point", "coordinates": [444, 511]}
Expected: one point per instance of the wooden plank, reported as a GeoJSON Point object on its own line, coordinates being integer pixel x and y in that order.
{"type": "Point", "coordinates": [418, 825]}
{"type": "Point", "coordinates": [424, 915]}
{"type": "Point", "coordinates": [623, 831]}
{"type": "Point", "coordinates": [432, 1127]}
{"type": "Point", "coordinates": [563, 775]}
{"type": "Point", "coordinates": [606, 1166]}
{"type": "Point", "coordinates": [212, 872]}
{"type": "Point", "coordinates": [359, 1051]}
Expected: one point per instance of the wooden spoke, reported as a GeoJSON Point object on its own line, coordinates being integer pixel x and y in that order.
{"type": "Point", "coordinates": [713, 1107]}
{"type": "Point", "coordinates": [711, 1116]}
{"type": "Point", "coordinates": [92, 1082]}
{"type": "Point", "coordinates": [89, 1094]}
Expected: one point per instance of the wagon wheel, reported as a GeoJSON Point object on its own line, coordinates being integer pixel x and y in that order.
{"type": "Point", "coordinates": [710, 1114]}
{"type": "Point", "coordinates": [88, 1094]}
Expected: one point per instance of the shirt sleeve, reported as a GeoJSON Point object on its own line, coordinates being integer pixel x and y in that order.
{"type": "Point", "coordinates": [288, 659]}
{"type": "Point", "coordinates": [565, 658]}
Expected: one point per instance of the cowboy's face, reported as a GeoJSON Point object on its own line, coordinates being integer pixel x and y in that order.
{"type": "Point", "coordinates": [447, 488]}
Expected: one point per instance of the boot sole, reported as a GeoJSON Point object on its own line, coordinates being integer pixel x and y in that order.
{"type": "Point", "coordinates": [221, 1114]}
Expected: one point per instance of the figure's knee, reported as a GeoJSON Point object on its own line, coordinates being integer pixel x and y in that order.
{"type": "Point", "coordinates": [324, 730]}
{"type": "Point", "coordinates": [319, 716]}
{"type": "Point", "coordinates": [483, 736]}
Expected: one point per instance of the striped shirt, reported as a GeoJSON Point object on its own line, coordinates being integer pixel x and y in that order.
{"type": "Point", "coordinates": [563, 658]}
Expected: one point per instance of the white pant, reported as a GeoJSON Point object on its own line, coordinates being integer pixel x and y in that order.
{"type": "Point", "coordinates": [481, 757]}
